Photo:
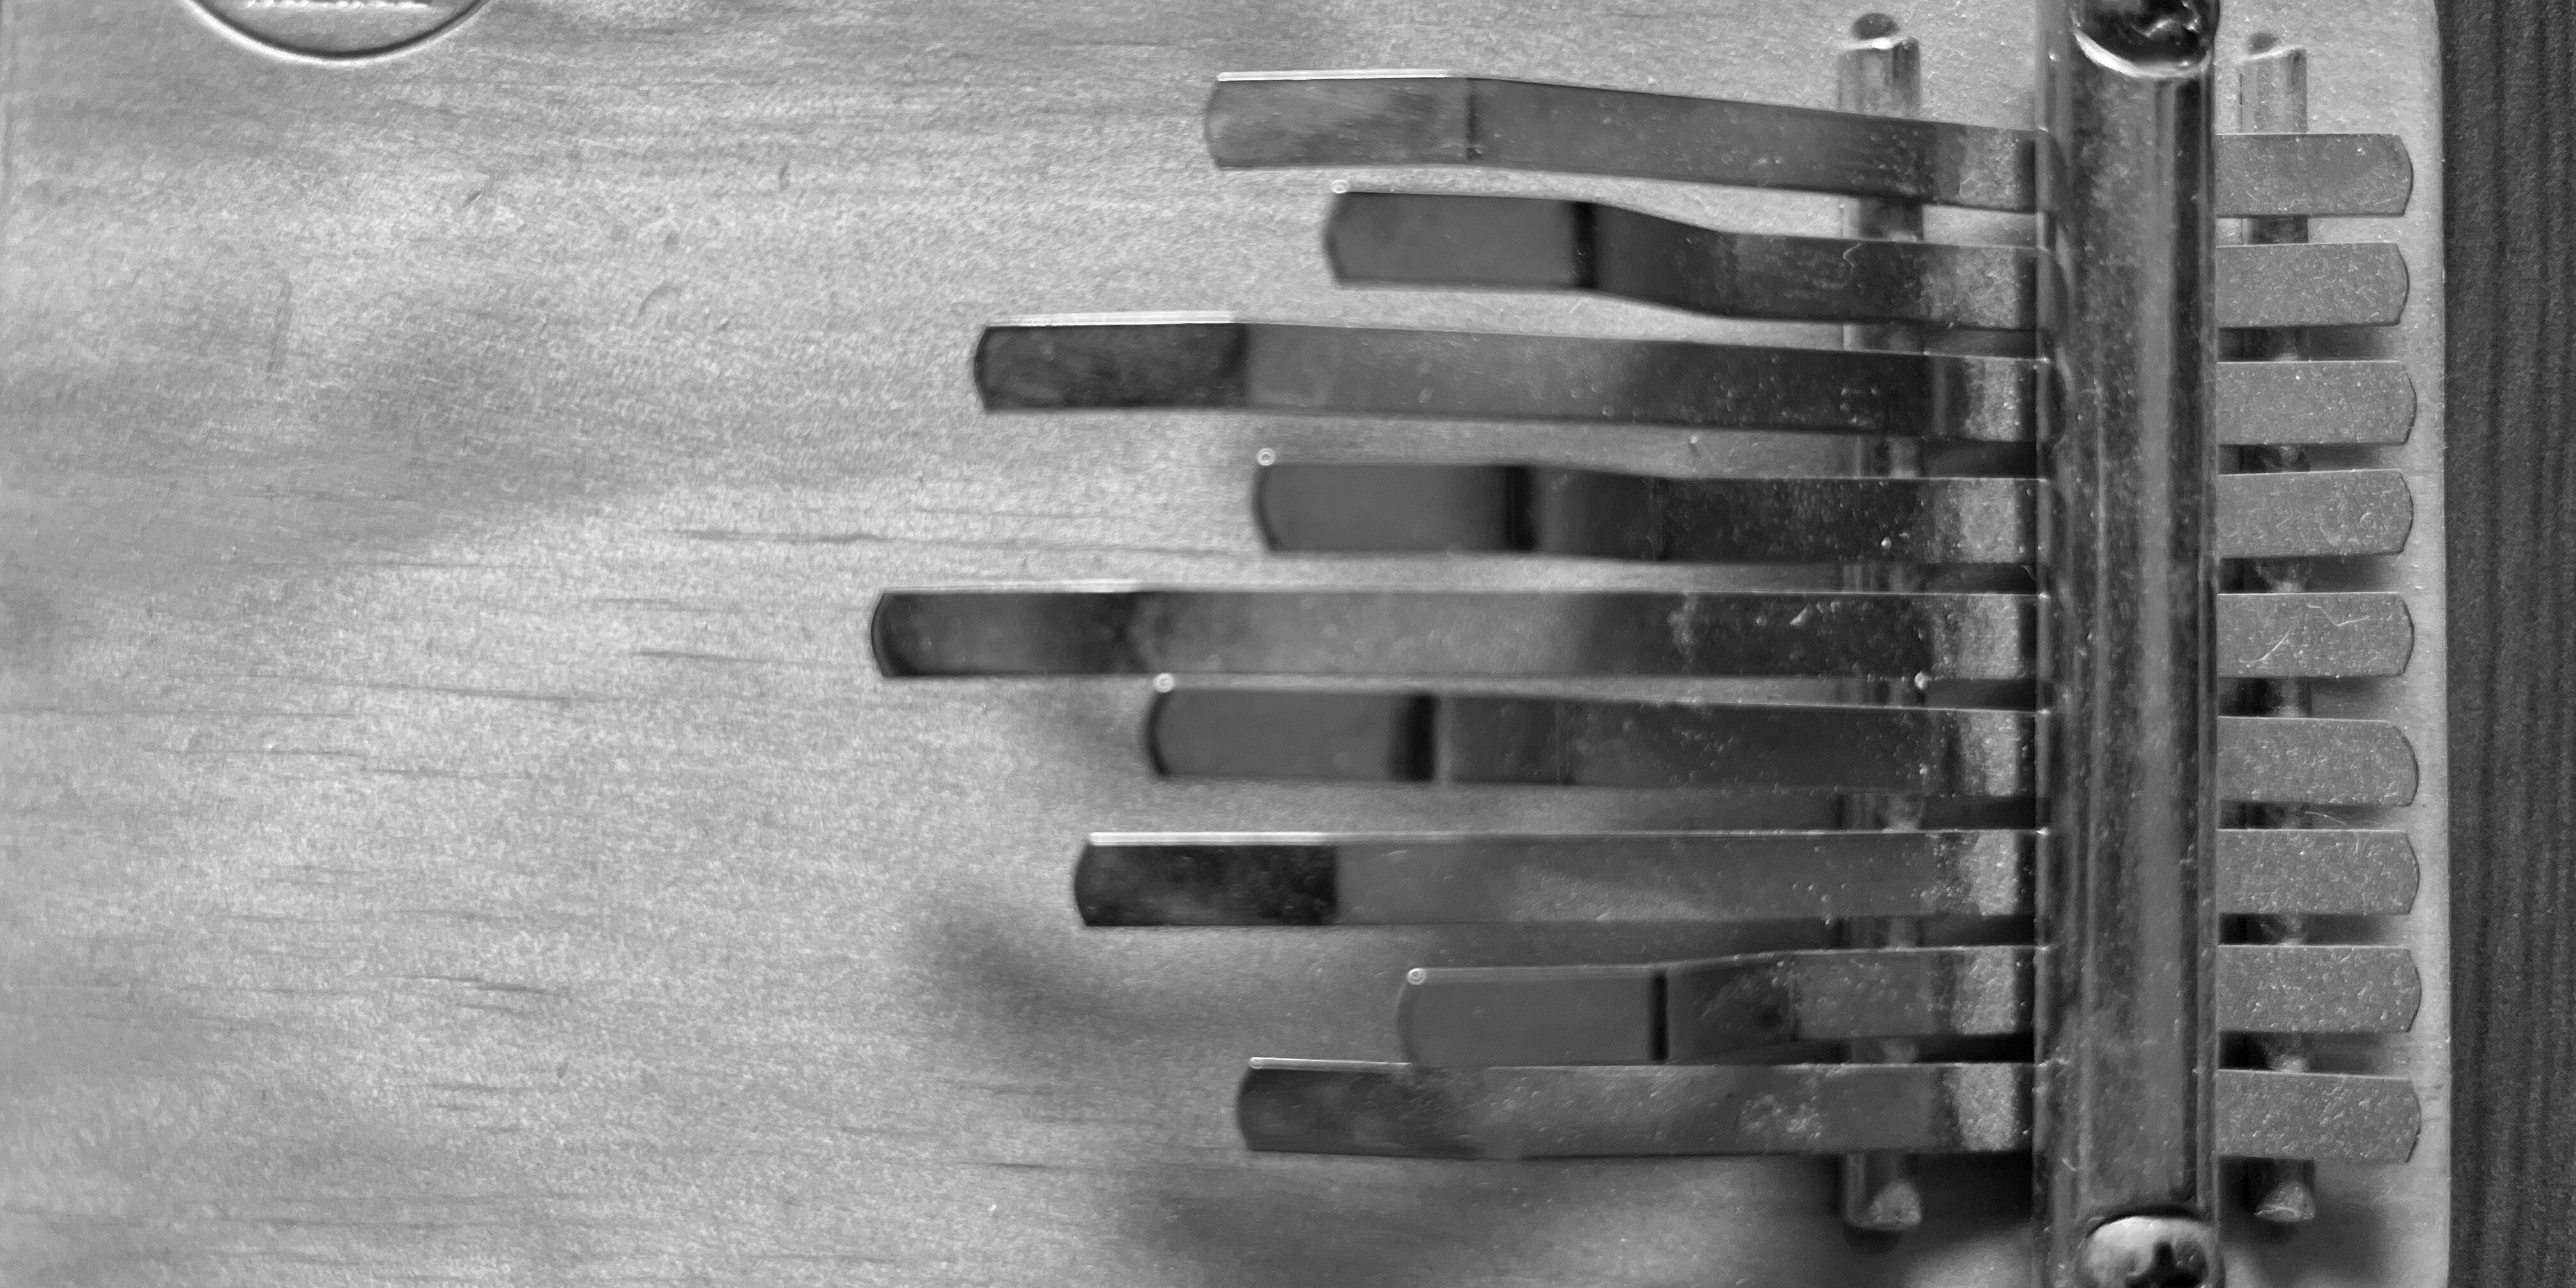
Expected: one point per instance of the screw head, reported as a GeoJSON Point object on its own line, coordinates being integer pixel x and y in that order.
{"type": "Point", "coordinates": [2150, 1252]}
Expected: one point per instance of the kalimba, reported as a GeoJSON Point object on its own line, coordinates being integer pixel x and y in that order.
{"type": "Point", "coordinates": [1741, 643]}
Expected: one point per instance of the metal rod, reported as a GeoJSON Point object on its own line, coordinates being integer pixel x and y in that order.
{"type": "Point", "coordinates": [1881, 74]}
{"type": "Point", "coordinates": [2272, 98]}
{"type": "Point", "coordinates": [2128, 1040]}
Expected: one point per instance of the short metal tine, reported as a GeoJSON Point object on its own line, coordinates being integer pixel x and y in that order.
{"type": "Point", "coordinates": [1431, 879]}
{"type": "Point", "coordinates": [2330, 635]}
{"type": "Point", "coordinates": [2306, 761]}
{"type": "Point", "coordinates": [2323, 404]}
{"type": "Point", "coordinates": [2319, 514]}
{"type": "Point", "coordinates": [2323, 872]}
{"type": "Point", "coordinates": [2324, 284]}
{"type": "Point", "coordinates": [2268, 174]}
{"type": "Point", "coordinates": [1373, 118]}
{"type": "Point", "coordinates": [1546, 244]}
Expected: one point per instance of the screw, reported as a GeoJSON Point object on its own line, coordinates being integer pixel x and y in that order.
{"type": "Point", "coordinates": [2150, 1252]}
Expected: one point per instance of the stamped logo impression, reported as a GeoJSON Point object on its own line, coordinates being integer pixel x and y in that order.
{"type": "Point", "coordinates": [339, 28]}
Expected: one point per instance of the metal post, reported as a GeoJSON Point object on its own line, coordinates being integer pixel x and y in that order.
{"type": "Point", "coordinates": [2128, 1039]}
{"type": "Point", "coordinates": [1880, 73]}
{"type": "Point", "coordinates": [2272, 98]}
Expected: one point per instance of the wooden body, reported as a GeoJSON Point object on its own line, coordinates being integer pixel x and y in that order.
{"type": "Point", "coordinates": [454, 828]}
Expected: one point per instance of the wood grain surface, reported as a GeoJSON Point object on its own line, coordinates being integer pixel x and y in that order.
{"type": "Point", "coordinates": [454, 829]}
{"type": "Point", "coordinates": [2510, 102]}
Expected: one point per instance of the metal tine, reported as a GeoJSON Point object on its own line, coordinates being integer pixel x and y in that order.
{"type": "Point", "coordinates": [1543, 243]}
{"type": "Point", "coordinates": [1540, 243]}
{"type": "Point", "coordinates": [1438, 118]}
{"type": "Point", "coordinates": [1373, 508]}
{"type": "Point", "coordinates": [1339, 1107]}
{"type": "Point", "coordinates": [1703, 1012]}
{"type": "Point", "coordinates": [1344, 633]}
{"type": "Point", "coordinates": [2314, 404]}
{"type": "Point", "coordinates": [1353, 1107]}
{"type": "Point", "coordinates": [1217, 362]}
{"type": "Point", "coordinates": [2313, 515]}
{"type": "Point", "coordinates": [1425, 737]}
{"type": "Point", "coordinates": [2313, 634]}
{"type": "Point", "coordinates": [1299, 879]}
{"type": "Point", "coordinates": [2273, 284]}
{"type": "Point", "coordinates": [1873, 635]}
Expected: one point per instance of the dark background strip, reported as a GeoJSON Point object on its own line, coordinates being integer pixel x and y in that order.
{"type": "Point", "coordinates": [2510, 106]}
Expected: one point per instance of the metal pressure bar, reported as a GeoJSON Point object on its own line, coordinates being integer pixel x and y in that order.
{"type": "Point", "coordinates": [2125, 1138]}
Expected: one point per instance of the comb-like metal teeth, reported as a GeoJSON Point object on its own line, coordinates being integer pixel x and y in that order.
{"type": "Point", "coordinates": [1420, 737]}
{"type": "Point", "coordinates": [1867, 635]}
{"type": "Point", "coordinates": [1434, 118]}
{"type": "Point", "coordinates": [1546, 244]}
{"type": "Point", "coordinates": [1536, 509]}
{"type": "Point", "coordinates": [1212, 361]}
{"type": "Point", "coordinates": [1295, 879]}
{"type": "Point", "coordinates": [1351, 1107]}
{"type": "Point", "coordinates": [1706, 1011]}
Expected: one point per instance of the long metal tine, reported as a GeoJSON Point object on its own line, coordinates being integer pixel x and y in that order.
{"type": "Point", "coordinates": [1895, 636]}
{"type": "Point", "coordinates": [1306, 879]}
{"type": "Point", "coordinates": [1426, 737]}
{"type": "Point", "coordinates": [1547, 244]}
{"type": "Point", "coordinates": [1218, 362]}
{"type": "Point", "coordinates": [1705, 1012]}
{"type": "Point", "coordinates": [1352, 1107]}
{"type": "Point", "coordinates": [1372, 508]}
{"type": "Point", "coordinates": [1437, 118]}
